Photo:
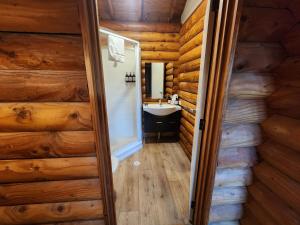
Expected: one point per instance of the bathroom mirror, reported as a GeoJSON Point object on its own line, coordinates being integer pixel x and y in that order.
{"type": "Point", "coordinates": [154, 80]}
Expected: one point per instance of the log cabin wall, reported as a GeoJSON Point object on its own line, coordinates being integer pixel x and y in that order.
{"type": "Point", "coordinates": [169, 84]}
{"type": "Point", "coordinates": [186, 73]}
{"type": "Point", "coordinates": [274, 195]}
{"type": "Point", "coordinates": [260, 55]}
{"type": "Point", "coordinates": [159, 42]}
{"type": "Point", "coordinates": [48, 163]}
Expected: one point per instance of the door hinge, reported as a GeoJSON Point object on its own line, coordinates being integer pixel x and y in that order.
{"type": "Point", "coordinates": [201, 124]}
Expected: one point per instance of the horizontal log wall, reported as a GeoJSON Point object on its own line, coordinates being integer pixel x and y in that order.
{"type": "Point", "coordinates": [159, 42]}
{"type": "Point", "coordinates": [48, 165]}
{"type": "Point", "coordinates": [273, 197]}
{"type": "Point", "coordinates": [187, 73]}
{"type": "Point", "coordinates": [169, 79]}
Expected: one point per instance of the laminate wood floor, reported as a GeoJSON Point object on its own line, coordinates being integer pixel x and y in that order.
{"type": "Point", "coordinates": [156, 192]}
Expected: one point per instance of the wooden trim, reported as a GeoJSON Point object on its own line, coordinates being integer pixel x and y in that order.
{"type": "Point", "coordinates": [224, 40]}
{"type": "Point", "coordinates": [92, 55]}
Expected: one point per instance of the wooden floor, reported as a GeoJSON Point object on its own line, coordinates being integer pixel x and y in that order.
{"type": "Point", "coordinates": [156, 192]}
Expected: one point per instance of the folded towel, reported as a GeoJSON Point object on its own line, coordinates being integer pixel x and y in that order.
{"type": "Point", "coordinates": [116, 49]}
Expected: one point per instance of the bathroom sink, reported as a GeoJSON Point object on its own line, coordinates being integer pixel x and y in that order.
{"type": "Point", "coordinates": [161, 110]}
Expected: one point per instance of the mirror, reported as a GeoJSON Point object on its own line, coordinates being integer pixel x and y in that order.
{"type": "Point", "coordinates": [154, 80]}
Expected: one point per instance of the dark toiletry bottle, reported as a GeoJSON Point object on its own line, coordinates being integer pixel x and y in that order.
{"type": "Point", "coordinates": [133, 77]}
{"type": "Point", "coordinates": [130, 77]}
{"type": "Point", "coordinates": [126, 78]}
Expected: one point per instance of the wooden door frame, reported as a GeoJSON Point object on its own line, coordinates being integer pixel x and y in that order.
{"type": "Point", "coordinates": [92, 56]}
{"type": "Point", "coordinates": [223, 49]}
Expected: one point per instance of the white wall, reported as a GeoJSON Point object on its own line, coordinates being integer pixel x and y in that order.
{"type": "Point", "coordinates": [157, 80]}
{"type": "Point", "coordinates": [120, 99]}
{"type": "Point", "coordinates": [189, 8]}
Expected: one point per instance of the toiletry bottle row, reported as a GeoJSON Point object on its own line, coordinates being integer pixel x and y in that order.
{"type": "Point", "coordinates": [129, 78]}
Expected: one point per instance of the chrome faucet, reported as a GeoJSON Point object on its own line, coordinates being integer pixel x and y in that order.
{"type": "Point", "coordinates": [159, 102]}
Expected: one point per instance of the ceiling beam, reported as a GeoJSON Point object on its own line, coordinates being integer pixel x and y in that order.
{"type": "Point", "coordinates": [172, 9]}
{"type": "Point", "coordinates": [111, 9]}
{"type": "Point", "coordinates": [142, 11]}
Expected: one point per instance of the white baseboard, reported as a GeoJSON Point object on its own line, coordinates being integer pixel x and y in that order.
{"type": "Point", "coordinates": [128, 150]}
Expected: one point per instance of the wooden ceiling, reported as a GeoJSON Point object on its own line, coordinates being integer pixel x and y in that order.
{"type": "Point", "coordinates": [141, 10]}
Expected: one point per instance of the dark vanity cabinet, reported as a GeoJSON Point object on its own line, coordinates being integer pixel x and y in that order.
{"type": "Point", "coordinates": [160, 124]}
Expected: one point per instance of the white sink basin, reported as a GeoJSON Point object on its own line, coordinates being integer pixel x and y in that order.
{"type": "Point", "coordinates": [161, 110]}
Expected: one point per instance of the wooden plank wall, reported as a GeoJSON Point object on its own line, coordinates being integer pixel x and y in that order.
{"type": "Point", "coordinates": [274, 195]}
{"type": "Point", "coordinates": [187, 73]}
{"type": "Point", "coordinates": [159, 42]}
{"type": "Point", "coordinates": [48, 167]}
{"type": "Point", "coordinates": [259, 52]}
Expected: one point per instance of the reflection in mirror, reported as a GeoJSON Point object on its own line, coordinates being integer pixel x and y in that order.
{"type": "Point", "coordinates": [154, 78]}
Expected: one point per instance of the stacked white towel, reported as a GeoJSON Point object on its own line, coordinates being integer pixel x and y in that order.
{"type": "Point", "coordinates": [116, 49]}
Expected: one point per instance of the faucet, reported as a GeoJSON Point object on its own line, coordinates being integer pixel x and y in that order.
{"type": "Point", "coordinates": [159, 102]}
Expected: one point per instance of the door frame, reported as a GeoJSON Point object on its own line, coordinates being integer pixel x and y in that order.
{"type": "Point", "coordinates": [226, 24]}
{"type": "Point", "coordinates": [92, 55]}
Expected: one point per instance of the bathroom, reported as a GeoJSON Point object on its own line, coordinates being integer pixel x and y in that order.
{"type": "Point", "coordinates": [151, 76]}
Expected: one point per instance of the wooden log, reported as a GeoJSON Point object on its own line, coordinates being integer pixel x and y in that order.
{"type": "Point", "coordinates": [170, 65]}
{"type": "Point", "coordinates": [285, 101]}
{"type": "Point", "coordinates": [140, 26]}
{"type": "Point", "coordinates": [46, 144]}
{"type": "Point", "coordinates": [220, 213]}
{"type": "Point", "coordinates": [189, 76]}
{"type": "Point", "coordinates": [283, 130]}
{"type": "Point", "coordinates": [257, 57]}
{"type": "Point", "coordinates": [151, 36]}
{"type": "Point", "coordinates": [26, 16]}
{"type": "Point", "coordinates": [29, 85]}
{"type": "Point", "coordinates": [236, 157]}
{"type": "Point", "coordinates": [42, 52]}
{"type": "Point", "coordinates": [246, 220]}
{"type": "Point", "coordinates": [195, 30]}
{"type": "Point", "coordinates": [291, 41]}
{"type": "Point", "coordinates": [160, 46]}
{"type": "Point", "coordinates": [233, 177]}
{"type": "Point", "coordinates": [195, 53]}
{"type": "Point", "coordinates": [169, 84]}
{"type": "Point", "coordinates": [143, 81]}
{"type": "Point", "coordinates": [193, 65]}
{"type": "Point", "coordinates": [188, 106]}
{"type": "Point", "coordinates": [251, 85]}
{"type": "Point", "coordinates": [159, 55]}
{"type": "Point", "coordinates": [189, 87]}
{"type": "Point", "coordinates": [45, 116]}
{"type": "Point", "coordinates": [273, 205]}
{"type": "Point", "coordinates": [193, 43]}
{"type": "Point", "coordinates": [187, 135]}
{"type": "Point", "coordinates": [49, 191]}
{"type": "Point", "coordinates": [189, 127]}
{"type": "Point", "coordinates": [188, 116]}
{"type": "Point", "coordinates": [289, 68]}
{"type": "Point", "coordinates": [53, 212]}
{"type": "Point", "coordinates": [264, 24]}
{"type": "Point", "coordinates": [242, 135]}
{"type": "Point", "coordinates": [229, 195]}
{"type": "Point", "coordinates": [281, 158]}
{"type": "Point", "coordinates": [187, 149]}
{"type": "Point", "coordinates": [169, 90]}
{"type": "Point", "coordinates": [280, 184]}
{"type": "Point", "coordinates": [256, 211]}
{"type": "Point", "coordinates": [245, 111]}
{"type": "Point", "coordinates": [47, 169]}
{"type": "Point", "coordinates": [190, 97]}
{"type": "Point", "coordinates": [196, 16]}
{"type": "Point", "coordinates": [170, 71]}
{"type": "Point", "coordinates": [169, 78]}
{"type": "Point", "coordinates": [267, 3]}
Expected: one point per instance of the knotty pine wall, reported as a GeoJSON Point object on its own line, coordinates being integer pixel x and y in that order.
{"type": "Point", "coordinates": [169, 78]}
{"type": "Point", "coordinates": [274, 195]}
{"type": "Point", "coordinates": [48, 164]}
{"type": "Point", "coordinates": [259, 54]}
{"type": "Point", "coordinates": [187, 73]}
